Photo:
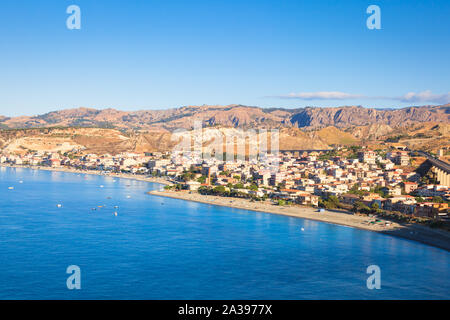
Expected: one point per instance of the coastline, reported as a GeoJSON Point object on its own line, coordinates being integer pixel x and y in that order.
{"type": "Point", "coordinates": [414, 232]}
{"type": "Point", "coordinates": [95, 172]}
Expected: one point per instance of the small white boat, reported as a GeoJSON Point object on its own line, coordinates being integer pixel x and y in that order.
{"type": "Point", "coordinates": [128, 197]}
{"type": "Point", "coordinates": [115, 213]}
{"type": "Point", "coordinates": [303, 229]}
{"type": "Point", "coordinates": [101, 186]}
{"type": "Point", "coordinates": [59, 205]}
{"type": "Point", "coordinates": [11, 188]}
{"type": "Point", "coordinates": [21, 181]}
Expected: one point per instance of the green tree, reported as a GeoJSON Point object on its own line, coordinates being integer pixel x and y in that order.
{"type": "Point", "coordinates": [379, 190]}
{"type": "Point", "coordinates": [178, 186]}
{"type": "Point", "coordinates": [374, 207]}
{"type": "Point", "coordinates": [437, 199]}
{"type": "Point", "coordinates": [187, 176]}
{"type": "Point", "coordinates": [354, 190]}
{"type": "Point", "coordinates": [360, 207]}
{"type": "Point", "coordinates": [219, 190]}
{"type": "Point", "coordinates": [204, 190]}
{"type": "Point", "coordinates": [238, 186]}
{"type": "Point", "coordinates": [420, 199]}
{"type": "Point", "coordinates": [201, 179]}
{"type": "Point", "coordinates": [333, 201]}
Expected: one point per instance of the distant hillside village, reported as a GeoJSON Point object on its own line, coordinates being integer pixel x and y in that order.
{"type": "Point", "coordinates": [357, 179]}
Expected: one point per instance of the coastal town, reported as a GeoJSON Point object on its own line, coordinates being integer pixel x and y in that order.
{"type": "Point", "coordinates": [353, 179]}
{"type": "Point", "coordinates": [225, 159]}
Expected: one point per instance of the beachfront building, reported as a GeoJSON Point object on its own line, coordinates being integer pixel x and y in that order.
{"type": "Point", "coordinates": [307, 199]}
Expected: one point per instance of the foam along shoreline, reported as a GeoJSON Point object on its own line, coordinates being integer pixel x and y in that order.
{"type": "Point", "coordinates": [422, 234]}
{"type": "Point", "coordinates": [96, 172]}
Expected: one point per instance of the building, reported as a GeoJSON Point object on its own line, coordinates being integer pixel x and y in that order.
{"type": "Point", "coordinates": [308, 199]}
{"type": "Point", "coordinates": [369, 157]}
{"type": "Point", "coordinates": [431, 210]}
{"type": "Point", "coordinates": [349, 198]}
{"type": "Point", "coordinates": [409, 187]}
{"type": "Point", "coordinates": [400, 158]}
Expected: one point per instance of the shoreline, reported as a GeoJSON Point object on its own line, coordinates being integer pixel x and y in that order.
{"type": "Point", "coordinates": [95, 172]}
{"type": "Point", "coordinates": [432, 237]}
{"type": "Point", "coordinates": [425, 235]}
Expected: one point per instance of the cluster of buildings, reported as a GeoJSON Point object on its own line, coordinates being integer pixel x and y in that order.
{"type": "Point", "coordinates": [123, 162]}
{"type": "Point", "coordinates": [385, 180]}
{"type": "Point", "coordinates": [305, 178]}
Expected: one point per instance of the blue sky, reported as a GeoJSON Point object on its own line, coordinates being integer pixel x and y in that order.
{"type": "Point", "coordinates": [134, 54]}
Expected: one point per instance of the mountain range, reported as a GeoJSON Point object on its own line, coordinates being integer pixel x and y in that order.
{"type": "Point", "coordinates": [232, 116]}
{"type": "Point", "coordinates": [113, 131]}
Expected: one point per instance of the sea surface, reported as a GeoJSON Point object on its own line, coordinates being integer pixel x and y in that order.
{"type": "Point", "coordinates": [160, 248]}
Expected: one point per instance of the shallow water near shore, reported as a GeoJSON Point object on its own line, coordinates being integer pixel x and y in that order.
{"type": "Point", "coordinates": [161, 248]}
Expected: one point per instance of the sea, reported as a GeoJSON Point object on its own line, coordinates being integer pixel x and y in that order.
{"type": "Point", "coordinates": [80, 236]}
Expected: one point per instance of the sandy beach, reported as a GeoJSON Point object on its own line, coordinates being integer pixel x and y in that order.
{"type": "Point", "coordinates": [423, 234]}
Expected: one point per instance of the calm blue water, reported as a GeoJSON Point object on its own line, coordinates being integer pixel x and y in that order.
{"type": "Point", "coordinates": [158, 248]}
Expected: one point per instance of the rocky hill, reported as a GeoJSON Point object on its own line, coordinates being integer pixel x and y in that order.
{"type": "Point", "coordinates": [113, 141]}
{"type": "Point", "coordinates": [343, 117]}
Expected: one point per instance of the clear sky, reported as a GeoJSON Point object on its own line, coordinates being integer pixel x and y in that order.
{"type": "Point", "coordinates": [134, 54]}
